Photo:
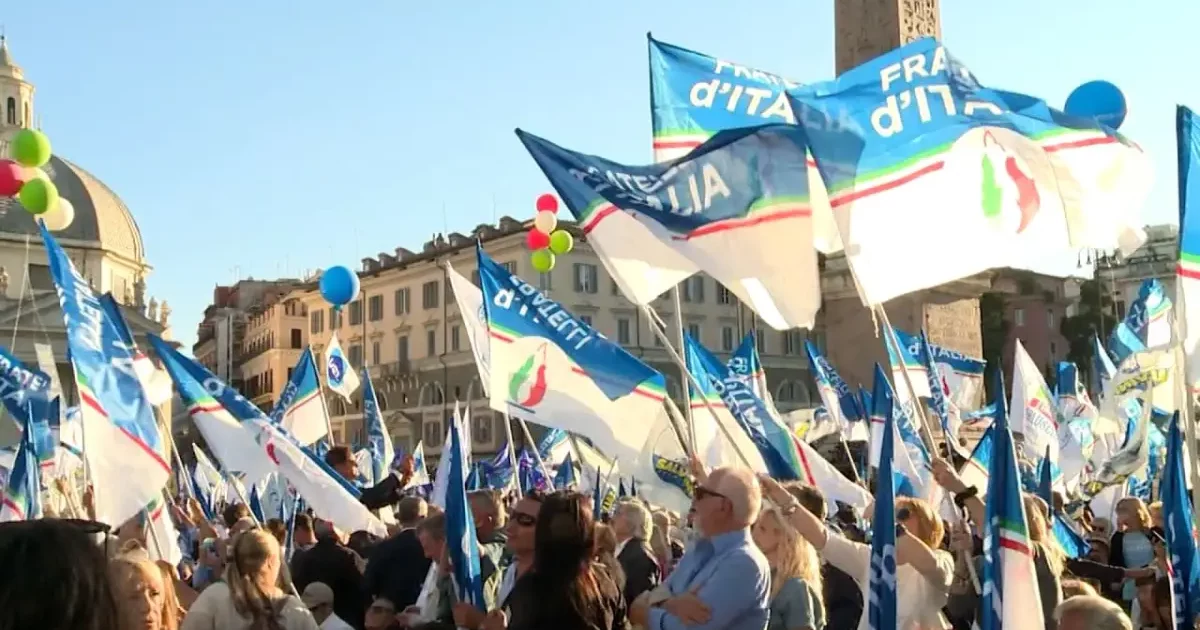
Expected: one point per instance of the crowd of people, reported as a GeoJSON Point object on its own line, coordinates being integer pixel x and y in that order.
{"type": "Point", "coordinates": [753, 553]}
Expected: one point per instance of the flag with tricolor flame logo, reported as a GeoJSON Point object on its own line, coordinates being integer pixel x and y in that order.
{"type": "Point", "coordinates": [1003, 172]}
{"type": "Point", "coordinates": [549, 367]}
{"type": "Point", "coordinates": [736, 208]}
{"type": "Point", "coordinates": [124, 453]}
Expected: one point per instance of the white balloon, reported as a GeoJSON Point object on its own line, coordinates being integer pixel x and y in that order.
{"type": "Point", "coordinates": [545, 221]}
{"type": "Point", "coordinates": [60, 216]}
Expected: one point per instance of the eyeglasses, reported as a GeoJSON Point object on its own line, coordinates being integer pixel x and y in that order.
{"type": "Point", "coordinates": [702, 493]}
{"type": "Point", "coordinates": [524, 520]}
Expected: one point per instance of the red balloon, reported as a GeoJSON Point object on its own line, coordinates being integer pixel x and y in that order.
{"type": "Point", "coordinates": [12, 177]}
{"type": "Point", "coordinates": [547, 202]}
{"type": "Point", "coordinates": [535, 240]}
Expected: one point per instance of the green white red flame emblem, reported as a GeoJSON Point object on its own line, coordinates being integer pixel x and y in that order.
{"type": "Point", "coordinates": [527, 387]}
{"type": "Point", "coordinates": [998, 165]}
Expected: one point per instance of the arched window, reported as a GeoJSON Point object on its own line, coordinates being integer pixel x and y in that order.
{"type": "Point", "coordinates": [12, 111]}
{"type": "Point", "coordinates": [381, 398]}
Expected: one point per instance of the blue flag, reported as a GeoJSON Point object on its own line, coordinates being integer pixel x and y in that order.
{"type": "Point", "coordinates": [379, 441]}
{"type": "Point", "coordinates": [621, 492]}
{"type": "Point", "coordinates": [1045, 488]}
{"type": "Point", "coordinates": [1177, 516]}
{"type": "Point", "coordinates": [462, 545]}
{"type": "Point", "coordinates": [882, 603]}
{"type": "Point", "coordinates": [565, 476]}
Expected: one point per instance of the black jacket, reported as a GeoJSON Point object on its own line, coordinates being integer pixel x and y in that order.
{"type": "Point", "coordinates": [640, 567]}
{"type": "Point", "coordinates": [335, 565]}
{"type": "Point", "coordinates": [383, 494]}
{"type": "Point", "coordinates": [396, 569]}
{"type": "Point", "coordinates": [843, 598]}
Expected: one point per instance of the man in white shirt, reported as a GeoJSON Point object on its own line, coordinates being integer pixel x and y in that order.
{"type": "Point", "coordinates": [318, 598]}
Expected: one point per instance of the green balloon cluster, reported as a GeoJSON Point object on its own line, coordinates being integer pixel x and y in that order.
{"type": "Point", "coordinates": [31, 149]}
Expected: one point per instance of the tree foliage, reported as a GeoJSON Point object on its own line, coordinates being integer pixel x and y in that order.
{"type": "Point", "coordinates": [994, 329]}
{"type": "Point", "coordinates": [1094, 316]}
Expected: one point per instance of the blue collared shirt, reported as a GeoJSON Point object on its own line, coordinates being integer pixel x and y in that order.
{"type": "Point", "coordinates": [734, 581]}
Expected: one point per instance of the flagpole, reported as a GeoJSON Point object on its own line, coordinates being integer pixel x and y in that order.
{"type": "Point", "coordinates": [512, 453]}
{"type": "Point", "coordinates": [536, 455]}
{"type": "Point", "coordinates": [679, 335]}
{"type": "Point", "coordinates": [655, 328]}
{"type": "Point", "coordinates": [321, 394]}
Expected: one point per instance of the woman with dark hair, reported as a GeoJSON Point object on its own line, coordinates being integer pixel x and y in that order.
{"type": "Point", "coordinates": [57, 576]}
{"type": "Point", "coordinates": [566, 588]}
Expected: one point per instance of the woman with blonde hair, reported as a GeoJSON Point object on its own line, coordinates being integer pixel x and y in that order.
{"type": "Point", "coordinates": [249, 598]}
{"type": "Point", "coordinates": [796, 602]}
{"type": "Point", "coordinates": [660, 543]}
{"type": "Point", "coordinates": [923, 570]}
{"type": "Point", "coordinates": [1132, 547]}
{"type": "Point", "coordinates": [145, 597]}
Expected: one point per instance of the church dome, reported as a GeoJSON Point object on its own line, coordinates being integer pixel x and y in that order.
{"type": "Point", "coordinates": [102, 221]}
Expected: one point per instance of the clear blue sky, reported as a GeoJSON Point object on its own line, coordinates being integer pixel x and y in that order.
{"type": "Point", "coordinates": [269, 136]}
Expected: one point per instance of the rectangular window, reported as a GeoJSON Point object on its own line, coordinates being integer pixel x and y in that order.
{"type": "Point", "coordinates": [723, 295]}
{"type": "Point", "coordinates": [616, 288]}
{"type": "Point", "coordinates": [1050, 319]}
{"type": "Point", "coordinates": [727, 338]}
{"type": "Point", "coordinates": [1019, 316]}
{"type": "Point", "coordinates": [448, 289]}
{"type": "Point", "coordinates": [429, 295]}
{"type": "Point", "coordinates": [454, 338]}
{"type": "Point", "coordinates": [586, 277]}
{"type": "Point", "coordinates": [403, 299]}
{"type": "Point", "coordinates": [433, 432]}
{"type": "Point", "coordinates": [41, 280]}
{"type": "Point", "coordinates": [623, 330]}
{"type": "Point", "coordinates": [793, 342]}
{"type": "Point", "coordinates": [335, 319]}
{"type": "Point", "coordinates": [316, 322]}
{"type": "Point", "coordinates": [481, 430]}
{"type": "Point", "coordinates": [375, 353]}
{"type": "Point", "coordinates": [545, 281]}
{"type": "Point", "coordinates": [355, 355]}
{"type": "Point", "coordinates": [1121, 310]}
{"type": "Point", "coordinates": [693, 289]}
{"type": "Point", "coordinates": [760, 336]}
{"type": "Point", "coordinates": [510, 267]}
{"type": "Point", "coordinates": [375, 308]}
{"type": "Point", "coordinates": [431, 343]}
{"type": "Point", "coordinates": [356, 313]}
{"type": "Point", "coordinates": [694, 331]}
{"type": "Point", "coordinates": [297, 339]}
{"type": "Point", "coordinates": [587, 319]}
{"type": "Point", "coordinates": [402, 348]}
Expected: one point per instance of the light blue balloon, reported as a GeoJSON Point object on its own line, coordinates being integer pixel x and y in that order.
{"type": "Point", "coordinates": [1098, 100]}
{"type": "Point", "coordinates": [339, 285]}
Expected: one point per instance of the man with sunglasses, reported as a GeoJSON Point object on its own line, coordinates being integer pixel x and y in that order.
{"type": "Point", "coordinates": [723, 580]}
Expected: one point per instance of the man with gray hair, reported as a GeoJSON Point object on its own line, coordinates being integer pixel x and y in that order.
{"type": "Point", "coordinates": [723, 580]}
{"type": "Point", "coordinates": [633, 526]}
{"type": "Point", "coordinates": [1089, 612]}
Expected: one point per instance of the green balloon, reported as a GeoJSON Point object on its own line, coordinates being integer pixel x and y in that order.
{"type": "Point", "coordinates": [561, 242]}
{"type": "Point", "coordinates": [542, 260]}
{"type": "Point", "coordinates": [38, 195]}
{"type": "Point", "coordinates": [31, 148]}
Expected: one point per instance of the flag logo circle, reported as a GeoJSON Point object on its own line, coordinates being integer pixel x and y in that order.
{"type": "Point", "coordinates": [336, 371]}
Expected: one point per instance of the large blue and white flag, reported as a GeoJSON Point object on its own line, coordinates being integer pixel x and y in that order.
{"type": "Point", "coordinates": [156, 382]}
{"type": "Point", "coordinates": [1004, 172]}
{"type": "Point", "coordinates": [1010, 593]}
{"type": "Point", "coordinates": [229, 439]}
{"type": "Point", "coordinates": [882, 603]}
{"type": "Point", "coordinates": [124, 451]}
{"type": "Point", "coordinates": [549, 367]}
{"type": "Point", "coordinates": [938, 399]}
{"type": "Point", "coordinates": [299, 409]}
{"type": "Point", "coordinates": [912, 459]}
{"type": "Point", "coordinates": [340, 376]}
{"type": "Point", "coordinates": [736, 208]}
{"type": "Point", "coordinates": [379, 440]}
{"type": "Point", "coordinates": [1187, 283]}
{"type": "Point", "coordinates": [961, 374]}
{"type": "Point", "coordinates": [1181, 542]}
{"type": "Point", "coordinates": [1147, 324]}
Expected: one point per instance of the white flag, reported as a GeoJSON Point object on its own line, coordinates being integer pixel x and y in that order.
{"type": "Point", "coordinates": [339, 374]}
